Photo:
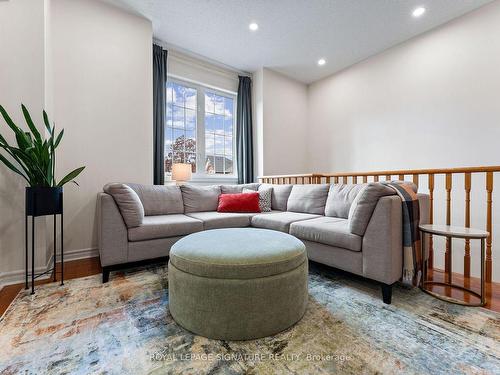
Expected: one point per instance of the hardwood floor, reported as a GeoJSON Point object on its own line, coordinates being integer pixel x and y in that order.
{"type": "Point", "coordinates": [91, 266]}
{"type": "Point", "coordinates": [492, 289]}
{"type": "Point", "coordinates": [72, 270]}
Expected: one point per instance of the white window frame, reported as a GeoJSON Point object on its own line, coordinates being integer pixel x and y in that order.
{"type": "Point", "coordinates": [202, 177]}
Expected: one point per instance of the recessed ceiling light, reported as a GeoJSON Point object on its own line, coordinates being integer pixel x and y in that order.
{"type": "Point", "coordinates": [418, 12]}
{"type": "Point", "coordinates": [321, 62]}
{"type": "Point", "coordinates": [253, 26]}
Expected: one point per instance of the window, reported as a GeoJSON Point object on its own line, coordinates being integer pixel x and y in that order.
{"type": "Point", "coordinates": [180, 131]}
{"type": "Point", "coordinates": [218, 134]}
{"type": "Point", "coordinates": [200, 129]}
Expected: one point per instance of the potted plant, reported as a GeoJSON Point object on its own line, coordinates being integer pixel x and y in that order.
{"type": "Point", "coordinates": [34, 159]}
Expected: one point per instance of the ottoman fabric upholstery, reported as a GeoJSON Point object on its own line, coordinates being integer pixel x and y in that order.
{"type": "Point", "coordinates": [237, 253]}
{"type": "Point", "coordinates": [237, 284]}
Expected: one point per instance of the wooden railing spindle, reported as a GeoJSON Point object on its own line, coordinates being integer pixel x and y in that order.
{"type": "Point", "coordinates": [467, 185]}
{"type": "Point", "coordinates": [447, 256]}
{"type": "Point", "coordinates": [489, 229]}
{"type": "Point", "coordinates": [430, 183]}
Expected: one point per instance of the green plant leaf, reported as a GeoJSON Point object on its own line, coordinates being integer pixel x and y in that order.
{"type": "Point", "coordinates": [8, 120]}
{"type": "Point", "coordinates": [59, 137]}
{"type": "Point", "coordinates": [70, 176]}
{"type": "Point", "coordinates": [34, 152]}
{"type": "Point", "coordinates": [31, 125]}
{"type": "Point", "coordinates": [21, 138]}
{"type": "Point", "coordinates": [11, 166]}
{"type": "Point", "coordinates": [47, 123]}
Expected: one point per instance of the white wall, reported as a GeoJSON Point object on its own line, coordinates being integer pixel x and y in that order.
{"type": "Point", "coordinates": [101, 60]}
{"type": "Point", "coordinates": [280, 117]}
{"type": "Point", "coordinates": [21, 81]}
{"type": "Point", "coordinates": [90, 65]}
{"type": "Point", "coordinates": [431, 102]}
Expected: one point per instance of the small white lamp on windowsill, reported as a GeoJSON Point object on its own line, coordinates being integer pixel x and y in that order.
{"type": "Point", "coordinates": [181, 173]}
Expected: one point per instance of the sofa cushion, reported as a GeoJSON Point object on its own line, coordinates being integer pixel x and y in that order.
{"type": "Point", "coordinates": [279, 196]}
{"type": "Point", "coordinates": [214, 220]}
{"type": "Point", "coordinates": [310, 199]}
{"type": "Point", "coordinates": [327, 230]}
{"type": "Point", "coordinates": [279, 221]}
{"type": "Point", "coordinates": [128, 202]}
{"type": "Point", "coordinates": [159, 199]}
{"type": "Point", "coordinates": [240, 202]}
{"type": "Point", "coordinates": [234, 189]}
{"type": "Point", "coordinates": [363, 205]}
{"type": "Point", "coordinates": [200, 198]}
{"type": "Point", "coordinates": [340, 198]}
{"type": "Point", "coordinates": [162, 226]}
{"type": "Point", "coordinates": [265, 198]}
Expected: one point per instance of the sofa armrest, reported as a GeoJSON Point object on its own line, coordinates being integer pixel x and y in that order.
{"type": "Point", "coordinates": [112, 236]}
{"type": "Point", "coordinates": [383, 242]}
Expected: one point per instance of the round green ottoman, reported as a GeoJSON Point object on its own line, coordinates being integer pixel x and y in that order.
{"type": "Point", "coordinates": [237, 284]}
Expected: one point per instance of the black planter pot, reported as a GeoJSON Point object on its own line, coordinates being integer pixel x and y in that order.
{"type": "Point", "coordinates": [42, 201]}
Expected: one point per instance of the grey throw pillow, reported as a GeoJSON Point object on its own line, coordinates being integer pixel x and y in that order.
{"type": "Point", "coordinates": [309, 199]}
{"type": "Point", "coordinates": [265, 197]}
{"type": "Point", "coordinates": [128, 202]}
{"type": "Point", "coordinates": [364, 204]}
{"type": "Point", "coordinates": [340, 199]}
{"type": "Point", "coordinates": [200, 198]}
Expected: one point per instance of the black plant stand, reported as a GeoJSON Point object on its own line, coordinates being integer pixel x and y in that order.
{"type": "Point", "coordinates": [43, 201]}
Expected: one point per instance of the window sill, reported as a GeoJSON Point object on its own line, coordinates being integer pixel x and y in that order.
{"type": "Point", "coordinates": [212, 180]}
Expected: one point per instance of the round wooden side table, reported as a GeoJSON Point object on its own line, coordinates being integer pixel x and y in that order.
{"type": "Point", "coordinates": [451, 232]}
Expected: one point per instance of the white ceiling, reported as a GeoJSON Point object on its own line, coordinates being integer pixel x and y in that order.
{"type": "Point", "coordinates": [293, 34]}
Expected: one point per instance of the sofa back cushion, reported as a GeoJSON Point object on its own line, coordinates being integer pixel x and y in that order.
{"type": "Point", "coordinates": [128, 203]}
{"type": "Point", "coordinates": [364, 204]}
{"type": "Point", "coordinates": [235, 189]}
{"type": "Point", "coordinates": [309, 199]}
{"type": "Point", "coordinates": [340, 198]}
{"type": "Point", "coordinates": [200, 198]}
{"type": "Point", "coordinates": [279, 196]}
{"type": "Point", "coordinates": [159, 199]}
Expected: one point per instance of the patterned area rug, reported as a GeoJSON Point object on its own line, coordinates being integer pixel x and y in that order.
{"type": "Point", "coordinates": [124, 327]}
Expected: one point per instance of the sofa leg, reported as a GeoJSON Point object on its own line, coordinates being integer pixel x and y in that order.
{"type": "Point", "coordinates": [387, 293]}
{"type": "Point", "coordinates": [105, 274]}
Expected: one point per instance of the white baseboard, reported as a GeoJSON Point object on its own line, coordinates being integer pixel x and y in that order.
{"type": "Point", "coordinates": [18, 276]}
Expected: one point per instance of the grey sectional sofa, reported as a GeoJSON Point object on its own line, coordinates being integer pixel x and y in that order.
{"type": "Point", "coordinates": [356, 228]}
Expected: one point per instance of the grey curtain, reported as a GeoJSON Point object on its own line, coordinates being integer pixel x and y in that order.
{"type": "Point", "coordinates": [244, 135]}
{"type": "Point", "coordinates": [159, 104]}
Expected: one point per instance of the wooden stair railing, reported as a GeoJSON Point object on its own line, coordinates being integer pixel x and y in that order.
{"type": "Point", "coordinates": [448, 173]}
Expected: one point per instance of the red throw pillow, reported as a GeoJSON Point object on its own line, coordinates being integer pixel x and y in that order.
{"type": "Point", "coordinates": [244, 202]}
